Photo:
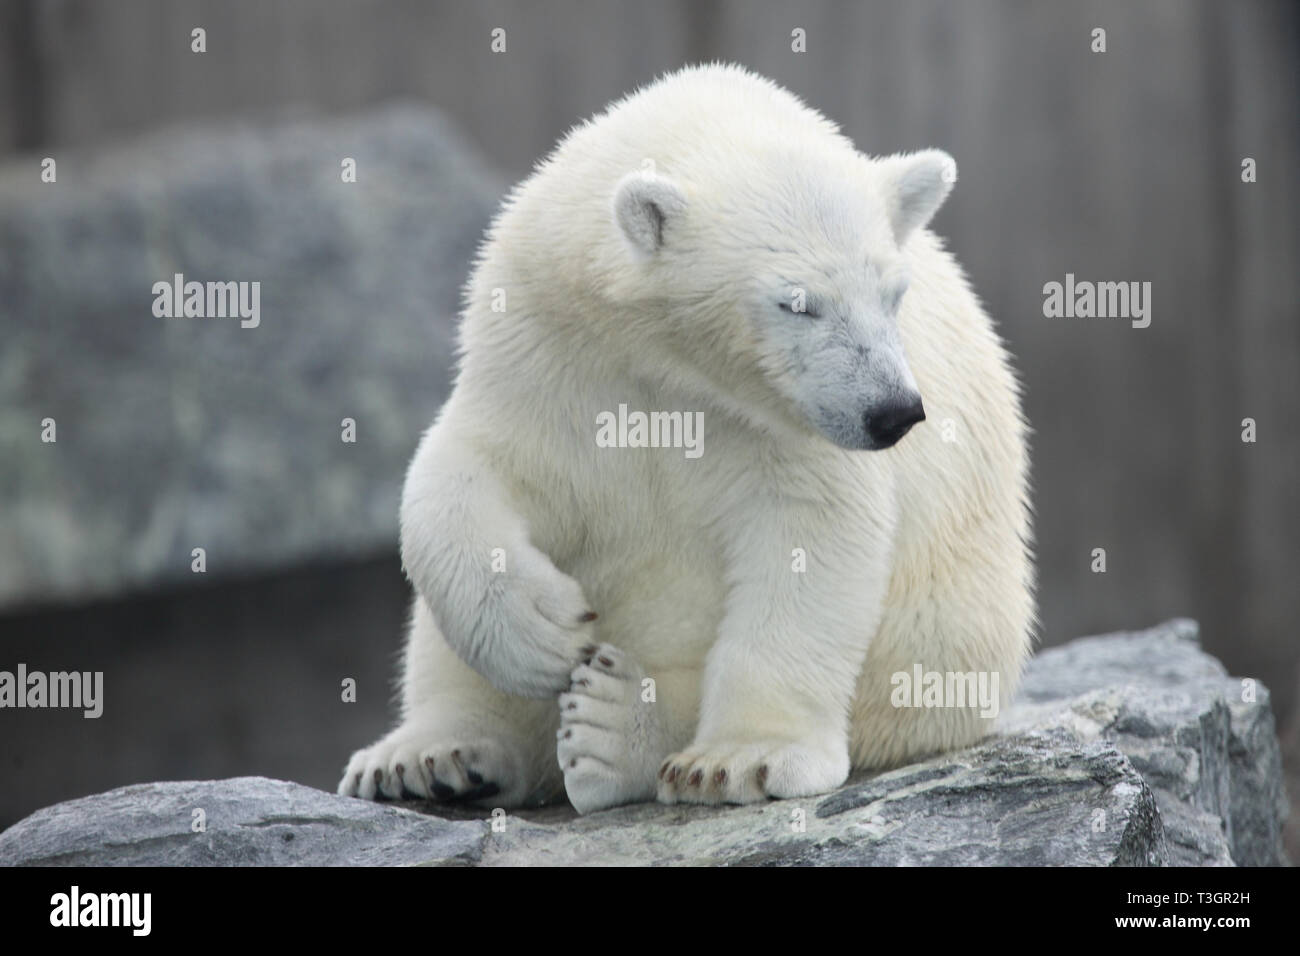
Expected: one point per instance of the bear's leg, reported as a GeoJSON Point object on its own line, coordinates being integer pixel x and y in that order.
{"type": "Point", "coordinates": [459, 738]}
{"type": "Point", "coordinates": [778, 683]}
{"type": "Point", "coordinates": [501, 603]}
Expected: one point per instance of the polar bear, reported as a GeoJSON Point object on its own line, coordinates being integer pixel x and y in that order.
{"type": "Point", "coordinates": [626, 623]}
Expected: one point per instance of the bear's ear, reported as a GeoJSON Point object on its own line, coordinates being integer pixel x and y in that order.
{"type": "Point", "coordinates": [915, 186]}
{"type": "Point", "coordinates": [644, 203]}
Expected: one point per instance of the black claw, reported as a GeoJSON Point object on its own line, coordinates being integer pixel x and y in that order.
{"type": "Point", "coordinates": [474, 778]}
{"type": "Point", "coordinates": [481, 792]}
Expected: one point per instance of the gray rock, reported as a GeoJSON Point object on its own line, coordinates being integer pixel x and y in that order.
{"type": "Point", "coordinates": [181, 433]}
{"type": "Point", "coordinates": [249, 821]}
{"type": "Point", "coordinates": [1032, 801]}
{"type": "Point", "coordinates": [1129, 749]}
{"type": "Point", "coordinates": [1211, 758]}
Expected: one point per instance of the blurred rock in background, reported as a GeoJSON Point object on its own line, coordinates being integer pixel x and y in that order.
{"type": "Point", "coordinates": [181, 433]}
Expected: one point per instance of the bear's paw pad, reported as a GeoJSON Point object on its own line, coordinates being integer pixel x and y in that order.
{"type": "Point", "coordinates": [608, 742]}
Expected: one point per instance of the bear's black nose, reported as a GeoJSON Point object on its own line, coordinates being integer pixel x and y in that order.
{"type": "Point", "coordinates": [888, 423]}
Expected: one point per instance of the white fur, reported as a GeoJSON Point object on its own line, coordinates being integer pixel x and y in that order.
{"type": "Point", "coordinates": [645, 263]}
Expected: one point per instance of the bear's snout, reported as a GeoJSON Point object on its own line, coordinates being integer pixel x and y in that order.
{"type": "Point", "coordinates": [888, 423]}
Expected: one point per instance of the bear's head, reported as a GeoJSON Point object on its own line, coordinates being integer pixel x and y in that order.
{"type": "Point", "coordinates": [777, 274]}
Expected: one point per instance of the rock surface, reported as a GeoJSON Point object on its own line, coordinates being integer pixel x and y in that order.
{"type": "Point", "coordinates": [248, 821]}
{"type": "Point", "coordinates": [1210, 757]}
{"type": "Point", "coordinates": [180, 433]}
{"type": "Point", "coordinates": [1127, 749]}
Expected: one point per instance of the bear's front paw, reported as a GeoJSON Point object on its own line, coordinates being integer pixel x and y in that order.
{"type": "Point", "coordinates": [740, 771]}
{"type": "Point", "coordinates": [409, 765]}
{"type": "Point", "coordinates": [527, 636]}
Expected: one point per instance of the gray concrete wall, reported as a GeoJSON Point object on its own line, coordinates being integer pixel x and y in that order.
{"type": "Point", "coordinates": [1122, 165]}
